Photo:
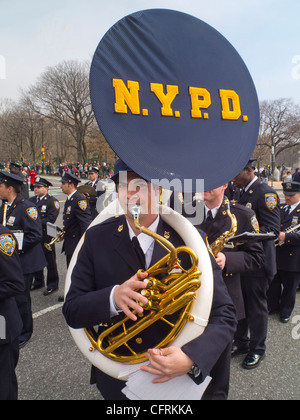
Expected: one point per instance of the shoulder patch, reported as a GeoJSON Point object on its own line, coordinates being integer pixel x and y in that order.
{"type": "Point", "coordinates": [255, 224]}
{"type": "Point", "coordinates": [56, 204]}
{"type": "Point", "coordinates": [32, 213]}
{"type": "Point", "coordinates": [82, 205]}
{"type": "Point", "coordinates": [7, 244]}
{"type": "Point", "coordinates": [271, 200]}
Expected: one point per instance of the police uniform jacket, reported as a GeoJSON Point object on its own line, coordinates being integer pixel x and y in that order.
{"type": "Point", "coordinates": [23, 216]}
{"type": "Point", "coordinates": [76, 219]}
{"type": "Point", "coordinates": [243, 258]}
{"type": "Point", "coordinates": [264, 201]}
{"type": "Point", "coordinates": [100, 188]}
{"type": "Point", "coordinates": [288, 255]}
{"type": "Point", "coordinates": [103, 264]}
{"type": "Point", "coordinates": [48, 208]}
{"type": "Point", "coordinates": [11, 284]}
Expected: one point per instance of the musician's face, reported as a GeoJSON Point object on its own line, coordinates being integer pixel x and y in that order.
{"type": "Point", "coordinates": [134, 190]}
{"type": "Point", "coordinates": [243, 178]}
{"type": "Point", "coordinates": [215, 197]}
{"type": "Point", "coordinates": [40, 191]}
{"type": "Point", "coordinates": [292, 199]}
{"type": "Point", "coordinates": [93, 177]}
{"type": "Point", "coordinates": [4, 192]}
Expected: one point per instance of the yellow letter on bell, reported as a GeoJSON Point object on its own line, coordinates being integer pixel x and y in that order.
{"type": "Point", "coordinates": [126, 95]}
{"type": "Point", "coordinates": [230, 97]}
{"type": "Point", "coordinates": [165, 99]}
{"type": "Point", "coordinates": [200, 98]}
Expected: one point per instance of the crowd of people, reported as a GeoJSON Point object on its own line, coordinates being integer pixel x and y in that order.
{"type": "Point", "coordinates": [250, 280]}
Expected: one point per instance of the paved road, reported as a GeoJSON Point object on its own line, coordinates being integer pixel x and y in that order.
{"type": "Point", "coordinates": [52, 368]}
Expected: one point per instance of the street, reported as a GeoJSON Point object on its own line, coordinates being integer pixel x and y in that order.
{"type": "Point", "coordinates": [52, 368]}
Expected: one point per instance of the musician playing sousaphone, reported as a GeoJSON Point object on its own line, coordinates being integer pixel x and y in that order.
{"type": "Point", "coordinates": [164, 120]}
{"type": "Point", "coordinates": [94, 299]}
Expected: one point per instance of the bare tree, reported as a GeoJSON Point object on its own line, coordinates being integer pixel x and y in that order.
{"type": "Point", "coordinates": [62, 95]}
{"type": "Point", "coordinates": [279, 127]}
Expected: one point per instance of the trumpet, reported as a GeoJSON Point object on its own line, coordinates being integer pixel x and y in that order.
{"type": "Point", "coordinates": [288, 230]}
{"type": "Point", "coordinates": [50, 245]}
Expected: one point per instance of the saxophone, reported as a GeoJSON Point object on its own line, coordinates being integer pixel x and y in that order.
{"type": "Point", "coordinates": [218, 245]}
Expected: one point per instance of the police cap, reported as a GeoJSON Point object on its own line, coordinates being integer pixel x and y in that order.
{"type": "Point", "coordinates": [42, 182]}
{"type": "Point", "coordinates": [291, 188]}
{"type": "Point", "coordinates": [10, 179]}
{"type": "Point", "coordinates": [70, 179]}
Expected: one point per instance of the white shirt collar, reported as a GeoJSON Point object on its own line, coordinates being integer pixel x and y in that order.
{"type": "Point", "coordinates": [146, 242]}
{"type": "Point", "coordinates": [213, 211]}
{"type": "Point", "coordinates": [293, 206]}
{"type": "Point", "coordinates": [250, 183]}
{"type": "Point", "coordinates": [71, 195]}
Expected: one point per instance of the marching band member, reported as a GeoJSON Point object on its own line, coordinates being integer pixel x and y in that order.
{"type": "Point", "coordinates": [244, 258]}
{"type": "Point", "coordinates": [11, 284]}
{"type": "Point", "coordinates": [76, 215]}
{"type": "Point", "coordinates": [282, 293]}
{"type": "Point", "coordinates": [264, 201]}
{"type": "Point", "coordinates": [102, 286]}
{"type": "Point", "coordinates": [48, 208]}
{"type": "Point", "coordinates": [23, 216]}
{"type": "Point", "coordinates": [99, 186]}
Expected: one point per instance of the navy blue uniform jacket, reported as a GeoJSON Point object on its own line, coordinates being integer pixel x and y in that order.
{"type": "Point", "coordinates": [241, 259]}
{"type": "Point", "coordinates": [76, 219]}
{"type": "Point", "coordinates": [264, 201]}
{"type": "Point", "coordinates": [106, 259]}
{"type": "Point", "coordinates": [11, 284]}
{"type": "Point", "coordinates": [288, 255]}
{"type": "Point", "coordinates": [23, 215]}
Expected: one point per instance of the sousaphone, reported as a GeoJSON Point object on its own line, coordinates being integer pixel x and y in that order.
{"type": "Point", "coordinates": [177, 104]}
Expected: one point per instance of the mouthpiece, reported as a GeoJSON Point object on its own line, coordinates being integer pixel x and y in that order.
{"type": "Point", "coordinates": [135, 211]}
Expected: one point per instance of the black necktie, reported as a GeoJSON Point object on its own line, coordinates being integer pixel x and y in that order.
{"type": "Point", "coordinates": [287, 210]}
{"type": "Point", "coordinates": [139, 252]}
{"type": "Point", "coordinates": [209, 217]}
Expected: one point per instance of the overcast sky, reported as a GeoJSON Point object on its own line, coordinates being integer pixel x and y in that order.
{"type": "Point", "coordinates": [35, 34]}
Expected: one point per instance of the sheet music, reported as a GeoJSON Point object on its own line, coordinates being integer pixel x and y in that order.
{"type": "Point", "coordinates": [19, 235]}
{"type": "Point", "coordinates": [52, 230]}
{"type": "Point", "coordinates": [140, 387]}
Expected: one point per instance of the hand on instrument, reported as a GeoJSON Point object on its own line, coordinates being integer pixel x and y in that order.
{"type": "Point", "coordinates": [221, 260]}
{"type": "Point", "coordinates": [125, 295]}
{"type": "Point", "coordinates": [282, 236]}
{"type": "Point", "coordinates": [167, 363]}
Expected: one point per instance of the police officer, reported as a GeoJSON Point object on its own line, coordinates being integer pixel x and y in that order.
{"type": "Point", "coordinates": [264, 201]}
{"type": "Point", "coordinates": [11, 284]}
{"type": "Point", "coordinates": [233, 262]}
{"type": "Point", "coordinates": [76, 216]}
{"type": "Point", "coordinates": [22, 216]}
{"type": "Point", "coordinates": [16, 169]}
{"type": "Point", "coordinates": [101, 285]}
{"type": "Point", "coordinates": [48, 208]}
{"type": "Point", "coordinates": [282, 293]}
{"type": "Point", "coordinates": [99, 186]}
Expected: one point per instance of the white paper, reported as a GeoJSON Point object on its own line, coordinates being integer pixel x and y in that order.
{"type": "Point", "coordinates": [52, 230]}
{"type": "Point", "coordinates": [140, 387]}
{"type": "Point", "coordinates": [20, 238]}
